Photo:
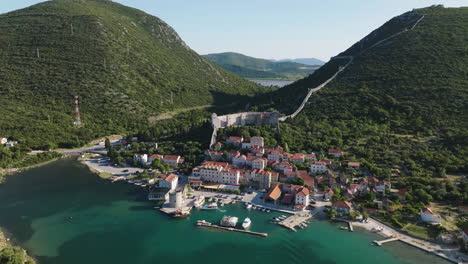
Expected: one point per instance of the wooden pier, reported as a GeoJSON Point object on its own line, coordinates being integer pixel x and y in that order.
{"type": "Point", "coordinates": [294, 221]}
{"type": "Point", "coordinates": [210, 225]}
{"type": "Point", "coordinates": [350, 226]}
{"type": "Point", "coordinates": [381, 242]}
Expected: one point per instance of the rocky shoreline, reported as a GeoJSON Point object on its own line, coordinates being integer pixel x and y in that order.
{"type": "Point", "coordinates": [7, 248]}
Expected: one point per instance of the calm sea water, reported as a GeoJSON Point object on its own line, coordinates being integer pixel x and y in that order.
{"type": "Point", "coordinates": [61, 213]}
{"type": "Point", "coordinates": [272, 82]}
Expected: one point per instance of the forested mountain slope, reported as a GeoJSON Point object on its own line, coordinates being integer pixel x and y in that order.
{"type": "Point", "coordinates": [401, 104]}
{"type": "Point", "coordinates": [124, 64]}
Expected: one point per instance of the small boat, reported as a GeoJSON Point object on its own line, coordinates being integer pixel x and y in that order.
{"type": "Point", "coordinates": [246, 223]}
{"type": "Point", "coordinates": [221, 204]}
{"type": "Point", "coordinates": [211, 206]}
{"type": "Point", "coordinates": [263, 210]}
{"type": "Point", "coordinates": [248, 206]}
{"type": "Point", "coordinates": [180, 214]}
{"type": "Point", "coordinates": [343, 228]}
{"type": "Point", "coordinates": [255, 208]}
{"type": "Point", "coordinates": [199, 202]}
{"type": "Point", "coordinates": [156, 207]}
{"type": "Point", "coordinates": [268, 211]}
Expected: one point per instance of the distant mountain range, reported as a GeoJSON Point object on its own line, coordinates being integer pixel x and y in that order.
{"type": "Point", "coordinates": [254, 68]}
{"type": "Point", "coordinates": [306, 61]}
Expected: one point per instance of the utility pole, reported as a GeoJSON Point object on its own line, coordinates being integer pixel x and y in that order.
{"type": "Point", "coordinates": [38, 54]}
{"type": "Point", "coordinates": [71, 29]}
{"type": "Point", "coordinates": [172, 98]}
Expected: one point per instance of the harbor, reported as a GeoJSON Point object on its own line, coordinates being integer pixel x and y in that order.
{"type": "Point", "coordinates": [203, 223]}
{"type": "Point", "coordinates": [295, 220]}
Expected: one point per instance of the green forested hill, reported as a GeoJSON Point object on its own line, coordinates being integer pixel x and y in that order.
{"type": "Point", "coordinates": [124, 64]}
{"type": "Point", "coordinates": [249, 67]}
{"type": "Point", "coordinates": [402, 104]}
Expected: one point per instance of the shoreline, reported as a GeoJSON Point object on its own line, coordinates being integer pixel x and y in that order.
{"type": "Point", "coordinates": [4, 173]}
{"type": "Point", "coordinates": [418, 243]}
{"type": "Point", "coordinates": [7, 242]}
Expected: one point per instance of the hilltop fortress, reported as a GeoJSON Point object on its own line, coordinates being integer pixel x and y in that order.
{"type": "Point", "coordinates": [246, 118]}
{"type": "Point", "coordinates": [242, 119]}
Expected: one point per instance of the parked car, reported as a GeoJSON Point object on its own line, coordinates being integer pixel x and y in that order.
{"type": "Point", "coordinates": [125, 171]}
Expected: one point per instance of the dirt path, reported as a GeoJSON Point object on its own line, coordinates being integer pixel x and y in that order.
{"type": "Point", "coordinates": [169, 115]}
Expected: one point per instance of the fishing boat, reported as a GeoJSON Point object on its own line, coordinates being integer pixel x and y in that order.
{"type": "Point", "coordinates": [199, 202]}
{"type": "Point", "coordinates": [180, 214]}
{"type": "Point", "coordinates": [211, 206]}
{"type": "Point", "coordinates": [246, 223]}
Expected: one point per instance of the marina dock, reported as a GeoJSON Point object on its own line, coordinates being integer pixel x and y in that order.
{"type": "Point", "coordinates": [381, 242]}
{"type": "Point", "coordinates": [295, 220]}
{"type": "Point", "coordinates": [210, 225]}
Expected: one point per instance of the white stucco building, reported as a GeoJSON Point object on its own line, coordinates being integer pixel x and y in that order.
{"type": "Point", "coordinates": [170, 182]}
{"type": "Point", "coordinates": [318, 167]}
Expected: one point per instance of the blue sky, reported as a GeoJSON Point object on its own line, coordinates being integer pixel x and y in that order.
{"type": "Point", "coordinates": [271, 28]}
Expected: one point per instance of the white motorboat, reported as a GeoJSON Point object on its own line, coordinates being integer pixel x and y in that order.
{"type": "Point", "coordinates": [246, 223]}
{"type": "Point", "coordinates": [199, 202]}
{"type": "Point", "coordinates": [248, 206]}
{"type": "Point", "coordinates": [211, 206]}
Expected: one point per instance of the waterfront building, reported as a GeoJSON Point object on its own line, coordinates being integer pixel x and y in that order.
{"type": "Point", "coordinates": [170, 182]}
{"type": "Point", "coordinates": [302, 197]}
{"type": "Point", "coordinates": [342, 207]}
{"type": "Point", "coordinates": [217, 172]}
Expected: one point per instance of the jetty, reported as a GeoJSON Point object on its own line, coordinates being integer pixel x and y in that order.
{"type": "Point", "coordinates": [213, 226]}
{"type": "Point", "coordinates": [350, 226]}
{"type": "Point", "coordinates": [381, 242]}
{"type": "Point", "coordinates": [294, 221]}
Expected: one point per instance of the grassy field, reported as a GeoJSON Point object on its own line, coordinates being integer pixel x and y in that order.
{"type": "Point", "coordinates": [415, 230]}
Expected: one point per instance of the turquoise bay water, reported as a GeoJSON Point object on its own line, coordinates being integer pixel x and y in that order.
{"type": "Point", "coordinates": [61, 213]}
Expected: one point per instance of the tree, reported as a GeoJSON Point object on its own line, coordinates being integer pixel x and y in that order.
{"type": "Point", "coordinates": [354, 214]}
{"type": "Point", "coordinates": [298, 181]}
{"type": "Point", "coordinates": [365, 215]}
{"type": "Point", "coordinates": [332, 213]}
{"type": "Point", "coordinates": [107, 144]}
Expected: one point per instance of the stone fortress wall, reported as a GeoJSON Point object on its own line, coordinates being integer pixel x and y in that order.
{"type": "Point", "coordinates": [242, 119]}
{"type": "Point", "coordinates": [273, 118]}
